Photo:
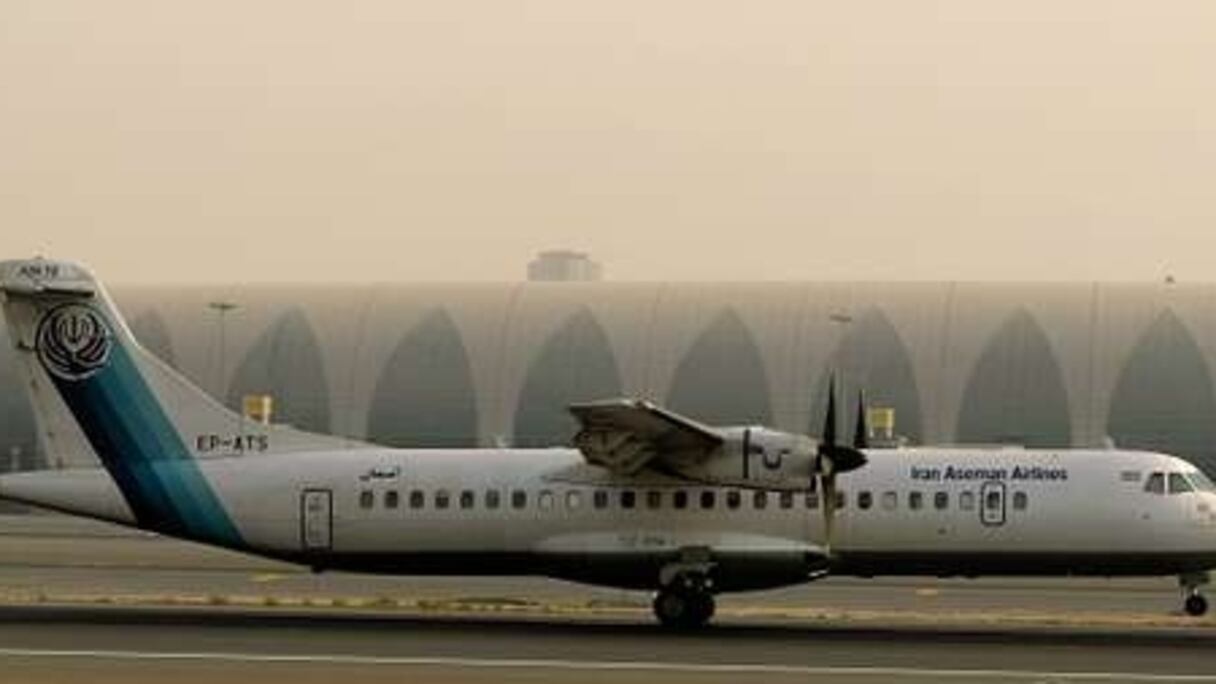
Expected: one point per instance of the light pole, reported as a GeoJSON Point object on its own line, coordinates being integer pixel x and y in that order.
{"type": "Point", "coordinates": [842, 320]}
{"type": "Point", "coordinates": [222, 308]}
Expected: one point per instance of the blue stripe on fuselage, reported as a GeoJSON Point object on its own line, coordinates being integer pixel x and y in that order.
{"type": "Point", "coordinates": [145, 455]}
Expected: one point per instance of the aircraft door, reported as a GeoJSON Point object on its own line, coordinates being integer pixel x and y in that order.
{"type": "Point", "coordinates": [316, 520]}
{"type": "Point", "coordinates": [992, 504]}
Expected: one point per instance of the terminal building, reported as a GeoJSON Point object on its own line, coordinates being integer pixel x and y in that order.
{"type": "Point", "coordinates": [444, 365]}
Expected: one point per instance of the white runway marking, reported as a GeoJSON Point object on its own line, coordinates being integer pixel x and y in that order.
{"type": "Point", "coordinates": [603, 665]}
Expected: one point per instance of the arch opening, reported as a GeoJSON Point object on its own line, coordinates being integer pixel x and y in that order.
{"type": "Point", "coordinates": [575, 364]}
{"type": "Point", "coordinates": [1016, 392]}
{"type": "Point", "coordinates": [424, 396]}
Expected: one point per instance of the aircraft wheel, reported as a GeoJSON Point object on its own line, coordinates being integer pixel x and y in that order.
{"type": "Point", "coordinates": [683, 610]}
{"type": "Point", "coordinates": [1196, 605]}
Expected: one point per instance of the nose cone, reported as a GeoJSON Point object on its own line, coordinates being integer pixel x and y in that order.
{"type": "Point", "coordinates": [1205, 509]}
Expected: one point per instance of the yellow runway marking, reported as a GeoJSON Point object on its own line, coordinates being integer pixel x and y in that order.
{"type": "Point", "coordinates": [266, 578]}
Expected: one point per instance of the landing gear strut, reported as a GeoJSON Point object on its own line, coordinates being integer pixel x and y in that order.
{"type": "Point", "coordinates": [1195, 604]}
{"type": "Point", "coordinates": [685, 603]}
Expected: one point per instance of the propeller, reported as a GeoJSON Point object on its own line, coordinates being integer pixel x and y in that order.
{"type": "Point", "coordinates": [832, 458]}
{"type": "Point", "coordinates": [861, 435]}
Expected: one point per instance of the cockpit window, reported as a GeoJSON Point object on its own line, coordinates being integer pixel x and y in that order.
{"type": "Point", "coordinates": [1155, 484]}
{"type": "Point", "coordinates": [1179, 484]}
{"type": "Point", "coordinates": [1201, 481]}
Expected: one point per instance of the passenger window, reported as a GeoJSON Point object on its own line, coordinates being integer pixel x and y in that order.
{"type": "Point", "coordinates": [545, 500]}
{"type": "Point", "coordinates": [574, 499]}
{"type": "Point", "coordinates": [840, 500]}
{"type": "Point", "coordinates": [1179, 484]}
{"type": "Point", "coordinates": [493, 499]}
{"type": "Point", "coordinates": [392, 499]}
{"type": "Point", "coordinates": [366, 499]}
{"type": "Point", "coordinates": [417, 499]}
{"type": "Point", "coordinates": [1155, 484]}
{"type": "Point", "coordinates": [760, 500]}
{"type": "Point", "coordinates": [812, 500]}
{"type": "Point", "coordinates": [680, 499]}
{"type": "Point", "coordinates": [708, 500]}
{"type": "Point", "coordinates": [865, 500]}
{"type": "Point", "coordinates": [600, 498]}
{"type": "Point", "coordinates": [941, 500]}
{"type": "Point", "coordinates": [467, 499]}
{"type": "Point", "coordinates": [519, 499]}
{"type": "Point", "coordinates": [442, 498]}
{"type": "Point", "coordinates": [1020, 501]}
{"type": "Point", "coordinates": [890, 500]}
{"type": "Point", "coordinates": [629, 498]}
{"type": "Point", "coordinates": [916, 500]}
{"type": "Point", "coordinates": [654, 499]}
{"type": "Point", "coordinates": [787, 500]}
{"type": "Point", "coordinates": [733, 499]}
{"type": "Point", "coordinates": [966, 501]}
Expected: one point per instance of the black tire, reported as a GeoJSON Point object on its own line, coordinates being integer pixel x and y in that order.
{"type": "Point", "coordinates": [672, 608]}
{"type": "Point", "coordinates": [683, 610]}
{"type": "Point", "coordinates": [1196, 605]}
{"type": "Point", "coordinates": [703, 610]}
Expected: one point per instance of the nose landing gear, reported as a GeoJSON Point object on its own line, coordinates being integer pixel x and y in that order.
{"type": "Point", "coordinates": [1195, 604]}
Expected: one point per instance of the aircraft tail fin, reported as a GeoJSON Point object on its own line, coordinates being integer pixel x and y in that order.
{"type": "Point", "coordinates": [98, 395]}
{"type": "Point", "coordinates": [100, 399]}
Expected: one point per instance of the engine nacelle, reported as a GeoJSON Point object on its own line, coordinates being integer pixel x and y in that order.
{"type": "Point", "coordinates": [758, 457]}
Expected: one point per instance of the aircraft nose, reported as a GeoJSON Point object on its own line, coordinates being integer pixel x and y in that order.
{"type": "Point", "coordinates": [1206, 509]}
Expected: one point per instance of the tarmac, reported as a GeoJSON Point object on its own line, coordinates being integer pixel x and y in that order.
{"type": "Point", "coordinates": [84, 600]}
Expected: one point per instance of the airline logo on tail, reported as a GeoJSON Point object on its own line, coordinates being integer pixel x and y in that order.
{"type": "Point", "coordinates": [74, 342]}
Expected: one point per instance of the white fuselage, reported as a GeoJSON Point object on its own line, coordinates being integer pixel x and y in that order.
{"type": "Point", "coordinates": [543, 512]}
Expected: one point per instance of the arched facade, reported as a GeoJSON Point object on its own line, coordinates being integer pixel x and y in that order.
{"type": "Point", "coordinates": [873, 360]}
{"type": "Point", "coordinates": [1015, 393]}
{"type": "Point", "coordinates": [575, 364]}
{"type": "Point", "coordinates": [286, 363]}
{"type": "Point", "coordinates": [425, 396]}
{"type": "Point", "coordinates": [721, 379]}
{"type": "Point", "coordinates": [1040, 365]}
{"type": "Point", "coordinates": [1163, 399]}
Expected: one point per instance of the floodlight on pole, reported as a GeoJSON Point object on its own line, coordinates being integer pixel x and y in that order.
{"type": "Point", "coordinates": [222, 308]}
{"type": "Point", "coordinates": [842, 320]}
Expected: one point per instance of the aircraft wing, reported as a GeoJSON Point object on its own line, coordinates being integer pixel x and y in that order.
{"type": "Point", "coordinates": [628, 435]}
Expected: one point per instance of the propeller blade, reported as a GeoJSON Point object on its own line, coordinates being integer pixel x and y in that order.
{"type": "Point", "coordinates": [842, 458]}
{"type": "Point", "coordinates": [832, 458]}
{"type": "Point", "coordinates": [861, 436]}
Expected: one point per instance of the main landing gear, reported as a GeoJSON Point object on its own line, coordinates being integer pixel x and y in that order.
{"type": "Point", "coordinates": [1195, 604]}
{"type": "Point", "coordinates": [686, 603]}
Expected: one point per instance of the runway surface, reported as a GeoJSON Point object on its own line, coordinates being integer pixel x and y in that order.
{"type": "Point", "coordinates": [53, 557]}
{"type": "Point", "coordinates": [127, 645]}
{"type": "Point", "coordinates": [79, 608]}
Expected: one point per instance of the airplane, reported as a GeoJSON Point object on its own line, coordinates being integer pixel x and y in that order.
{"type": "Point", "coordinates": [645, 499]}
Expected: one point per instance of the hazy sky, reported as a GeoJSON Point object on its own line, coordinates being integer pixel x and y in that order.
{"type": "Point", "coordinates": [246, 140]}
